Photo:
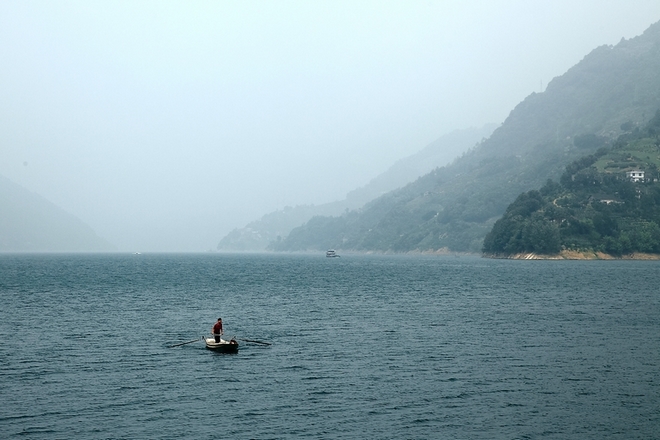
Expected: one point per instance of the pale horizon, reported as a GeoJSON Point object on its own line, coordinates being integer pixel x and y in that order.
{"type": "Point", "coordinates": [165, 125]}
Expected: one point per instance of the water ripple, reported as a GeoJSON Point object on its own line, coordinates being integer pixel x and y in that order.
{"type": "Point", "coordinates": [363, 347]}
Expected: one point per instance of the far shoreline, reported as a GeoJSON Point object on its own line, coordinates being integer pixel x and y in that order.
{"type": "Point", "coordinates": [575, 255]}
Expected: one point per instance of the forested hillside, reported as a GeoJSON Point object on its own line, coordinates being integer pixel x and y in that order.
{"type": "Point", "coordinates": [612, 90]}
{"type": "Point", "coordinates": [607, 202]}
{"type": "Point", "coordinates": [257, 235]}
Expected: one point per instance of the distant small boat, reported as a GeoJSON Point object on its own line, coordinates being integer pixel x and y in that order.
{"type": "Point", "coordinates": [222, 346]}
{"type": "Point", "coordinates": [331, 254]}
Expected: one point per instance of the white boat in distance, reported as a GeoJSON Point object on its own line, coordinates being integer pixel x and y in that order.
{"type": "Point", "coordinates": [331, 254]}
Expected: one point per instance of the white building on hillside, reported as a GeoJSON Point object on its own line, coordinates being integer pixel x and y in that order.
{"type": "Point", "coordinates": [635, 175]}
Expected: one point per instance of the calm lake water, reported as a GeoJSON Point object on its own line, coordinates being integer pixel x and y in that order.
{"type": "Point", "coordinates": [363, 347]}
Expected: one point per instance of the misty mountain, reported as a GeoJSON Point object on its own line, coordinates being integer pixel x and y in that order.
{"type": "Point", "coordinates": [257, 235]}
{"type": "Point", "coordinates": [30, 223]}
{"type": "Point", "coordinates": [611, 90]}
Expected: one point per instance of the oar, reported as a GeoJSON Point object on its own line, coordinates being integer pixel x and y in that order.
{"type": "Point", "coordinates": [184, 343]}
{"type": "Point", "coordinates": [256, 342]}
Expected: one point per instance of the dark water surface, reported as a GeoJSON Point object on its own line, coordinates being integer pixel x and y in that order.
{"type": "Point", "coordinates": [363, 347]}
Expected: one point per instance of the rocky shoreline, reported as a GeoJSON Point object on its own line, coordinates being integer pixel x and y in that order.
{"type": "Point", "coordinates": [576, 255]}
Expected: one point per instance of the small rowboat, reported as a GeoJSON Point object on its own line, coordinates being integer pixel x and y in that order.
{"type": "Point", "coordinates": [222, 346]}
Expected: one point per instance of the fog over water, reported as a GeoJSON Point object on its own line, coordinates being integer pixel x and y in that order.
{"type": "Point", "coordinates": [164, 125]}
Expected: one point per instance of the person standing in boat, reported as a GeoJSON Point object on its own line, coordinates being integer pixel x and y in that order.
{"type": "Point", "coordinates": [217, 330]}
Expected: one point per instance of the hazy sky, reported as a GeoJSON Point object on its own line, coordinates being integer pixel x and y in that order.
{"type": "Point", "coordinates": [164, 125]}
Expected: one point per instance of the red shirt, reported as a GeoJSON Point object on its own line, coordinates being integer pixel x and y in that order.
{"type": "Point", "coordinates": [217, 328]}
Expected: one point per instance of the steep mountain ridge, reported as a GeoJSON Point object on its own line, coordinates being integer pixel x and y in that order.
{"type": "Point", "coordinates": [455, 206]}
{"type": "Point", "coordinates": [272, 227]}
